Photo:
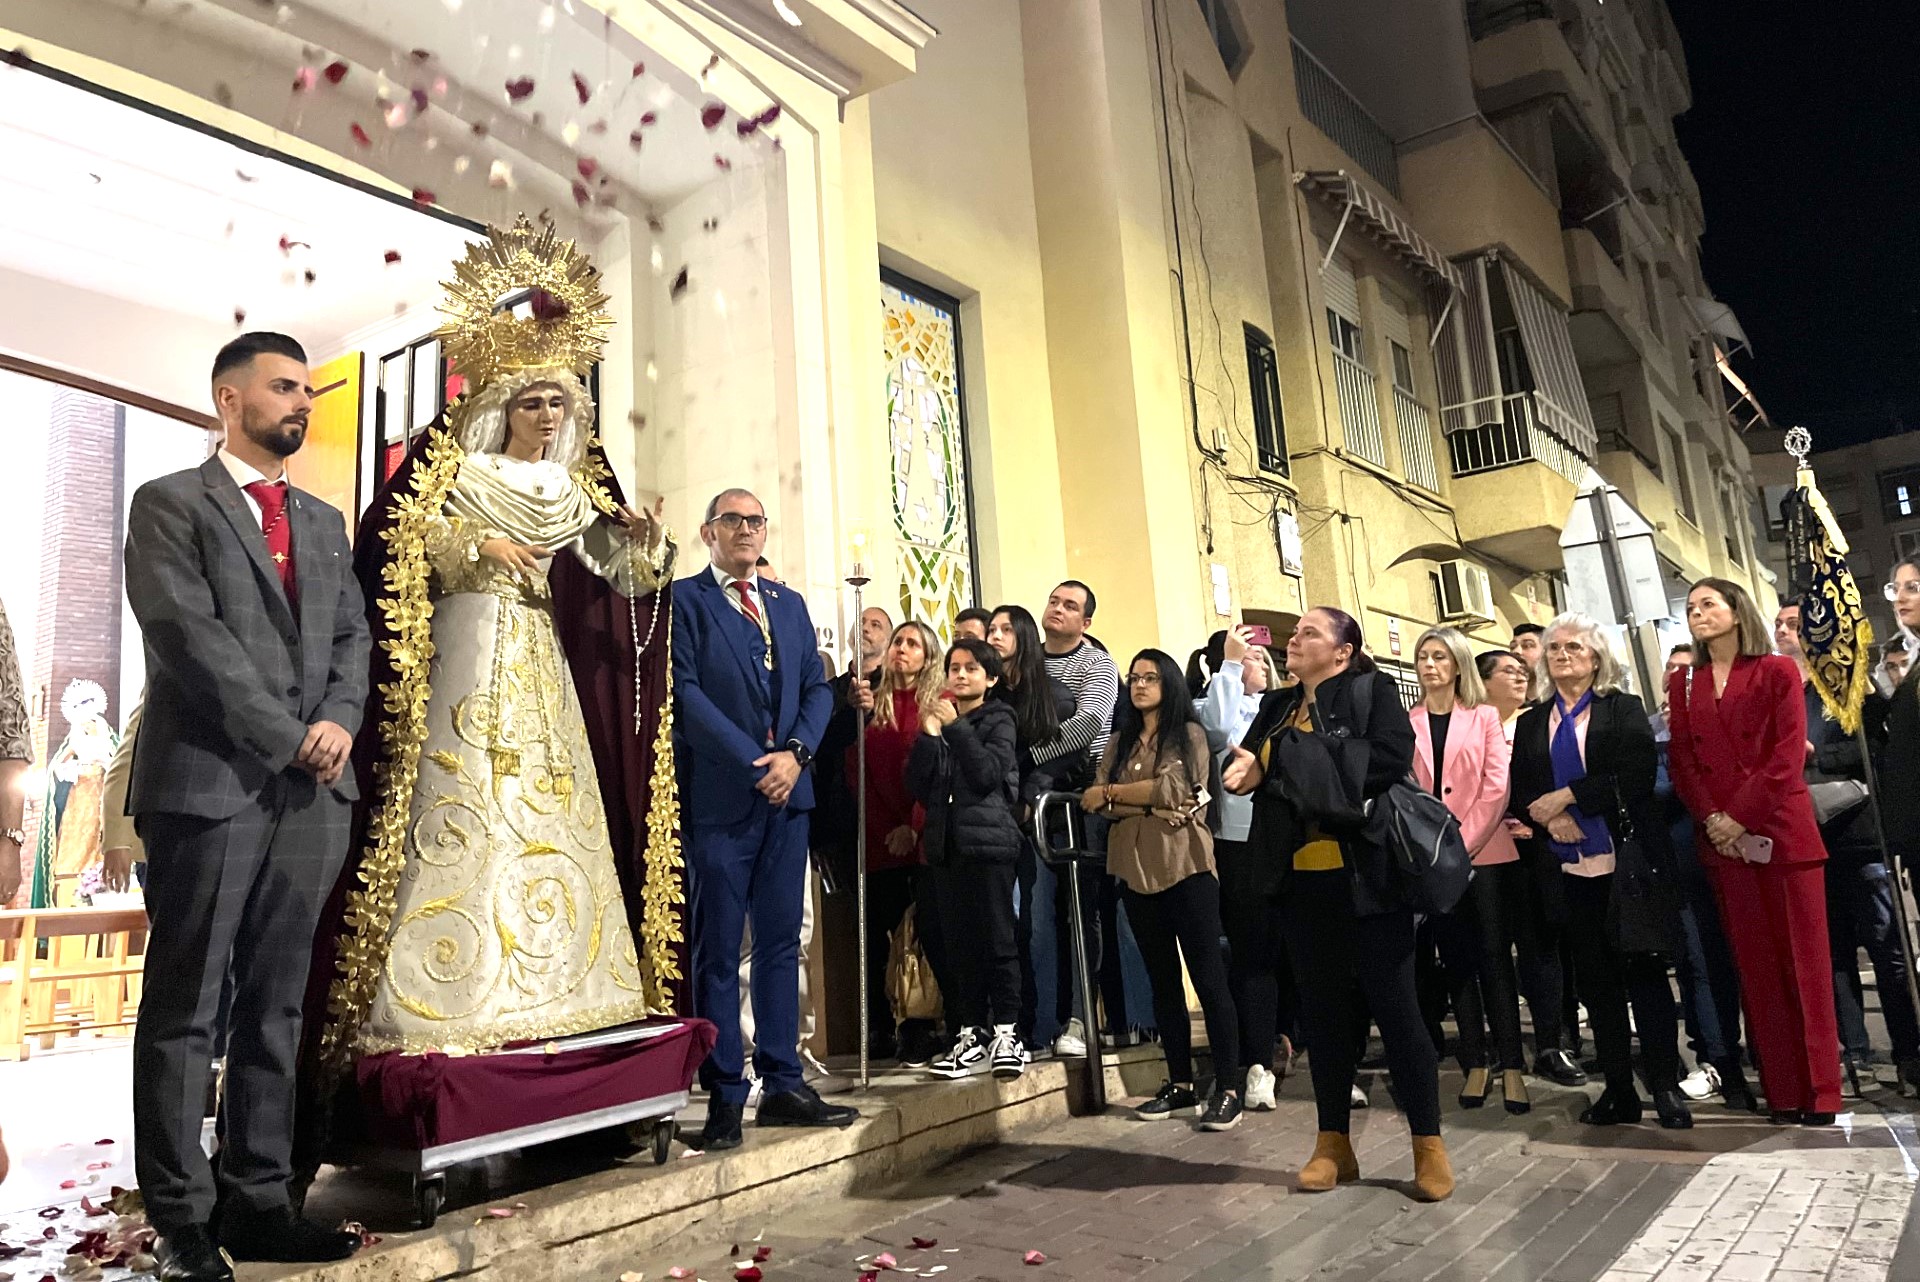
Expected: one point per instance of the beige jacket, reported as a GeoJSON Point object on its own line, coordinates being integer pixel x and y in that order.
{"type": "Point", "coordinates": [118, 823]}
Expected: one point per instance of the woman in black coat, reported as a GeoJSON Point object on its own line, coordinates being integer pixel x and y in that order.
{"type": "Point", "coordinates": [962, 769]}
{"type": "Point", "coordinates": [1316, 754]}
{"type": "Point", "coordinates": [1583, 773]}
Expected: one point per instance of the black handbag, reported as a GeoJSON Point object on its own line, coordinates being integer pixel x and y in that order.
{"type": "Point", "coordinates": [1643, 914]}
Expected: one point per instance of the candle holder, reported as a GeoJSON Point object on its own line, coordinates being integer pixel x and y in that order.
{"type": "Point", "coordinates": [858, 579]}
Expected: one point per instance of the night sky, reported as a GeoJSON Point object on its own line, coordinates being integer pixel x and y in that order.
{"type": "Point", "coordinates": [1805, 138]}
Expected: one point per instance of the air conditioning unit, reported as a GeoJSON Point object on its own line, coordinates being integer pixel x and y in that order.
{"type": "Point", "coordinates": [1466, 593]}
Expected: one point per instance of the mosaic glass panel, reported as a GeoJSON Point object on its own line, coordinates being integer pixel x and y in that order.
{"type": "Point", "coordinates": [927, 457]}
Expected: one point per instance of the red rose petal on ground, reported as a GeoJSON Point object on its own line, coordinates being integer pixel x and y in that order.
{"type": "Point", "coordinates": [69, 1184]}
{"type": "Point", "coordinates": [677, 1272]}
{"type": "Point", "coordinates": [52, 1212]}
{"type": "Point", "coordinates": [711, 64]}
{"type": "Point", "coordinates": [747, 1274]}
{"type": "Point", "coordinates": [869, 1275]}
{"type": "Point", "coordinates": [391, 256]}
{"type": "Point", "coordinates": [519, 89]}
{"type": "Point", "coordinates": [1035, 1257]}
{"type": "Point", "coordinates": [712, 114]}
{"type": "Point", "coordinates": [722, 163]}
{"type": "Point", "coordinates": [884, 1260]}
{"type": "Point", "coordinates": [744, 127]}
{"type": "Point", "coordinates": [98, 1166]}
{"type": "Point", "coordinates": [639, 70]}
{"type": "Point", "coordinates": [582, 88]}
{"type": "Point", "coordinates": [634, 140]}
{"type": "Point", "coordinates": [925, 1243]}
{"type": "Point", "coordinates": [479, 129]}
{"type": "Point", "coordinates": [335, 72]}
{"type": "Point", "coordinates": [762, 1254]}
{"type": "Point", "coordinates": [420, 101]}
{"type": "Point", "coordinates": [360, 135]}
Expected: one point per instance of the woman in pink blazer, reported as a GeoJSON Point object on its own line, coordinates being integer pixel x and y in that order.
{"type": "Point", "coordinates": [1461, 755]}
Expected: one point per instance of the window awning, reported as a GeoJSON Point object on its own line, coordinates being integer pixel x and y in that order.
{"type": "Point", "coordinates": [1556, 372]}
{"type": "Point", "coordinates": [1718, 319]}
{"type": "Point", "coordinates": [1361, 206]}
{"type": "Point", "coordinates": [1463, 354]}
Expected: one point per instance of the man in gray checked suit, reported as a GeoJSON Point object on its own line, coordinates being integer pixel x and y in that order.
{"type": "Point", "coordinates": [256, 645]}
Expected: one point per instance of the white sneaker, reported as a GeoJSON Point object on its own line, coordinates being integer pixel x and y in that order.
{"type": "Point", "coordinates": [1358, 1099]}
{"type": "Point", "coordinates": [1010, 1058]}
{"type": "Point", "coordinates": [1701, 1082]}
{"type": "Point", "coordinates": [1072, 1042]}
{"type": "Point", "coordinates": [1260, 1087]}
{"type": "Point", "coordinates": [968, 1056]}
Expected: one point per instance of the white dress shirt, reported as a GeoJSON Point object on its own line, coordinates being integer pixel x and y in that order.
{"type": "Point", "coordinates": [245, 474]}
{"type": "Point", "coordinates": [726, 582]}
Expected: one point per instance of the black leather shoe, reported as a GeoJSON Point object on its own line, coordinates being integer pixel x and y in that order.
{"type": "Point", "coordinates": [803, 1106]}
{"type": "Point", "coordinates": [722, 1130]}
{"type": "Point", "coordinates": [1735, 1091]}
{"type": "Point", "coordinates": [1785, 1117]}
{"type": "Point", "coordinates": [1816, 1119]}
{"type": "Point", "coordinates": [1559, 1068]}
{"type": "Point", "coordinates": [1671, 1106]}
{"type": "Point", "coordinates": [189, 1255]}
{"type": "Point", "coordinates": [1613, 1110]}
{"type": "Point", "coordinates": [282, 1237]}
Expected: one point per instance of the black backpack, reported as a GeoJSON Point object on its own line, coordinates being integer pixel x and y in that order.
{"type": "Point", "coordinates": [1421, 834]}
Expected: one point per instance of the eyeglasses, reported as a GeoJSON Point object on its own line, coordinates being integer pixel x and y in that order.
{"type": "Point", "coordinates": [732, 521]}
{"type": "Point", "coordinates": [1566, 647]}
{"type": "Point", "coordinates": [1901, 587]}
{"type": "Point", "coordinates": [1143, 678]}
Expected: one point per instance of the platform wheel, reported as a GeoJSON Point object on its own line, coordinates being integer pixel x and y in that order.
{"type": "Point", "coordinates": [662, 1140]}
{"type": "Point", "coordinates": [429, 1196]}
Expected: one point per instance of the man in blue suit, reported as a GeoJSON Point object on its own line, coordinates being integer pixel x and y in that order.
{"type": "Point", "coordinates": [751, 704]}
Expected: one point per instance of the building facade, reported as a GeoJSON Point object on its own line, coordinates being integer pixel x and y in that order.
{"type": "Point", "coordinates": [1228, 308]}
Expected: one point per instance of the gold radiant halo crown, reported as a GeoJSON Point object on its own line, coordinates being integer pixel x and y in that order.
{"type": "Point", "coordinates": [569, 324]}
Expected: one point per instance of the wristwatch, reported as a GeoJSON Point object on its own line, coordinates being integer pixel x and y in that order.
{"type": "Point", "coordinates": [801, 753]}
{"type": "Point", "coordinates": [18, 836]}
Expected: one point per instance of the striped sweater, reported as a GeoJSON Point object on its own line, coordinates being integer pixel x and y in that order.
{"type": "Point", "coordinates": [1089, 672]}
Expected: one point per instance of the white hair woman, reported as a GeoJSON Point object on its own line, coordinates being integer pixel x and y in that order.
{"type": "Point", "coordinates": [1461, 756]}
{"type": "Point", "coordinates": [1583, 767]}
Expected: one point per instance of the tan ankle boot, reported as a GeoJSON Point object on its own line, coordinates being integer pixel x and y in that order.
{"type": "Point", "coordinates": [1432, 1172]}
{"type": "Point", "coordinates": [1332, 1163]}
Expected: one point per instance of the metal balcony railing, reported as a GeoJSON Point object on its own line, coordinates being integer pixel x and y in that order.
{"type": "Point", "coordinates": [1416, 439]}
{"type": "Point", "coordinates": [1517, 439]}
{"type": "Point", "coordinates": [1339, 115]}
{"type": "Point", "coordinates": [1490, 17]}
{"type": "Point", "coordinates": [1359, 394]}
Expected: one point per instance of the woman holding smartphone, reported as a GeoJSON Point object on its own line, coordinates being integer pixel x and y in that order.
{"type": "Point", "coordinates": [1739, 749]}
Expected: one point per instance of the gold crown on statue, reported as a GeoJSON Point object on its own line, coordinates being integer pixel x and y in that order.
{"type": "Point", "coordinates": [568, 321]}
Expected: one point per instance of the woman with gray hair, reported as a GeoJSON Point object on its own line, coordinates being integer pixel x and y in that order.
{"type": "Point", "coordinates": [1583, 765]}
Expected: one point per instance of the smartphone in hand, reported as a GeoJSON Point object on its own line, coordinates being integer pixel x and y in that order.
{"type": "Point", "coordinates": [1259, 634]}
{"type": "Point", "coordinates": [1754, 848]}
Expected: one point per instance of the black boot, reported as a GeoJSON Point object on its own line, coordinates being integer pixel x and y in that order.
{"type": "Point", "coordinates": [282, 1238]}
{"type": "Point", "coordinates": [1671, 1106]}
{"type": "Point", "coordinates": [1614, 1109]}
{"type": "Point", "coordinates": [189, 1255]}
{"type": "Point", "coordinates": [802, 1106]}
{"type": "Point", "coordinates": [722, 1130]}
{"type": "Point", "coordinates": [1559, 1068]}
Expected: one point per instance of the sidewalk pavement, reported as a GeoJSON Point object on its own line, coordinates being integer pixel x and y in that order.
{"type": "Point", "coordinates": [1540, 1199]}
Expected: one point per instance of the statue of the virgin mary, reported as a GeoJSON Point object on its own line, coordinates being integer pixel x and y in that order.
{"type": "Point", "coordinates": [522, 803]}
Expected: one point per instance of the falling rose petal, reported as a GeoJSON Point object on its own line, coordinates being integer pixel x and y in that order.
{"type": "Point", "coordinates": [581, 195]}
{"type": "Point", "coordinates": [582, 88]}
{"type": "Point", "coordinates": [52, 1212]}
{"type": "Point", "coordinates": [420, 101]}
{"type": "Point", "coordinates": [722, 163]}
{"type": "Point", "coordinates": [634, 140]}
{"type": "Point", "coordinates": [422, 55]}
{"type": "Point", "coordinates": [360, 135]}
{"type": "Point", "coordinates": [588, 167]}
{"type": "Point", "coordinates": [305, 79]}
{"type": "Point", "coordinates": [747, 1274]}
{"type": "Point", "coordinates": [244, 176]}
{"type": "Point", "coordinates": [679, 285]}
{"type": "Point", "coordinates": [768, 116]}
{"type": "Point", "coordinates": [519, 89]}
{"type": "Point", "coordinates": [1035, 1257]}
{"type": "Point", "coordinates": [105, 1143]}
{"type": "Point", "coordinates": [310, 277]}
{"type": "Point", "coordinates": [98, 1166]}
{"type": "Point", "coordinates": [925, 1243]}
{"type": "Point", "coordinates": [500, 175]}
{"type": "Point", "coordinates": [479, 129]}
{"type": "Point", "coordinates": [711, 64]}
{"type": "Point", "coordinates": [761, 1254]}
{"type": "Point", "coordinates": [395, 114]}
{"type": "Point", "coordinates": [639, 70]}
{"type": "Point", "coordinates": [654, 224]}
{"type": "Point", "coordinates": [69, 1184]}
{"type": "Point", "coordinates": [745, 127]}
{"type": "Point", "coordinates": [712, 114]}
{"type": "Point", "coordinates": [391, 256]}
{"type": "Point", "coordinates": [649, 117]}
{"type": "Point", "coordinates": [884, 1260]}
{"type": "Point", "coordinates": [335, 72]}
{"type": "Point", "coordinates": [597, 127]}
{"type": "Point", "coordinates": [422, 197]}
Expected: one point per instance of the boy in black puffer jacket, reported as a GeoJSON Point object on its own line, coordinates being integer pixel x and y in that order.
{"type": "Point", "coordinates": [963, 771]}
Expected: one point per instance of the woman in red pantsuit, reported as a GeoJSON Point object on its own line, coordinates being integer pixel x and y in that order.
{"type": "Point", "coordinates": [1739, 723]}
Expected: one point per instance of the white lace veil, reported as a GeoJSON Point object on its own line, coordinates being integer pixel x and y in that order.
{"type": "Point", "coordinates": [483, 428]}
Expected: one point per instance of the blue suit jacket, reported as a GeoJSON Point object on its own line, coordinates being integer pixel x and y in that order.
{"type": "Point", "coordinates": [721, 712]}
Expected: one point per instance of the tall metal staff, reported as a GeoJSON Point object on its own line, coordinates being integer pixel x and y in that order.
{"type": "Point", "coordinates": [1818, 548]}
{"type": "Point", "coordinates": [858, 581]}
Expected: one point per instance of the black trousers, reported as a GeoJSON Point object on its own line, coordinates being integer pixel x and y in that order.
{"type": "Point", "coordinates": [974, 902]}
{"type": "Point", "coordinates": [230, 902]}
{"type": "Point", "coordinates": [890, 892]}
{"type": "Point", "coordinates": [1610, 981]}
{"type": "Point", "coordinates": [1860, 914]}
{"type": "Point", "coordinates": [1498, 918]}
{"type": "Point", "coordinates": [1026, 877]}
{"type": "Point", "coordinates": [1339, 957]}
{"type": "Point", "coordinates": [1259, 974]}
{"type": "Point", "coordinates": [1184, 920]}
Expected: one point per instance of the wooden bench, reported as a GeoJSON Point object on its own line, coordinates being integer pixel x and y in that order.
{"type": "Point", "coordinates": [88, 979]}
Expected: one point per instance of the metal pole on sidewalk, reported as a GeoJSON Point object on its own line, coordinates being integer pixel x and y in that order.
{"type": "Point", "coordinates": [859, 580]}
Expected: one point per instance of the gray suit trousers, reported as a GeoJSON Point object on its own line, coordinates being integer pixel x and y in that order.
{"type": "Point", "coordinates": [243, 893]}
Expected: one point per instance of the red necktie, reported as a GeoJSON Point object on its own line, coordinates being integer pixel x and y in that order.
{"type": "Point", "coordinates": [272, 498]}
{"type": "Point", "coordinates": [747, 606]}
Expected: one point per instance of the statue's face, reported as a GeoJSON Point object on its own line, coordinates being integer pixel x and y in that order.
{"type": "Point", "coordinates": [533, 418]}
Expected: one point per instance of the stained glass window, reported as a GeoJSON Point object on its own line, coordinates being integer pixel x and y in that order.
{"type": "Point", "coordinates": [927, 453]}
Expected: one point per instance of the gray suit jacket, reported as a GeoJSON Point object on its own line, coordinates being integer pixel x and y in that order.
{"type": "Point", "coordinates": [233, 677]}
